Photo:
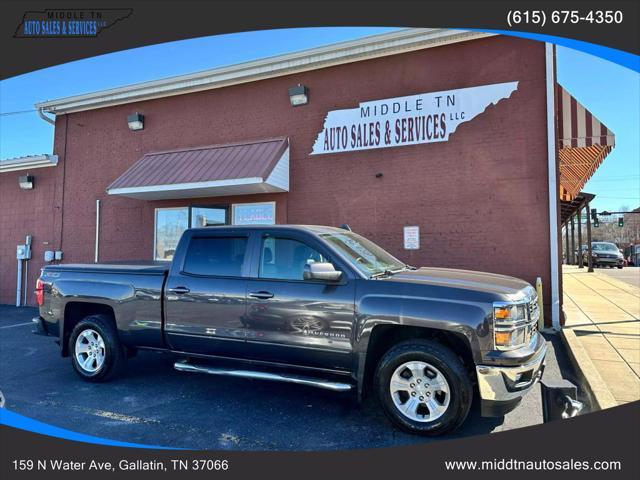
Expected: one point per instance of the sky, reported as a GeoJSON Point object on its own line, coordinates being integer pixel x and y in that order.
{"type": "Point", "coordinates": [609, 91]}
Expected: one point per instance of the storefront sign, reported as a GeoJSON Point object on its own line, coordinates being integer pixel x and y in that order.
{"type": "Point", "coordinates": [254, 213]}
{"type": "Point", "coordinates": [411, 238]}
{"type": "Point", "coordinates": [415, 119]}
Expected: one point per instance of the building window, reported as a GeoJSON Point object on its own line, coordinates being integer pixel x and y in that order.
{"type": "Point", "coordinates": [208, 216]}
{"type": "Point", "coordinates": [254, 213]}
{"type": "Point", "coordinates": [169, 225]}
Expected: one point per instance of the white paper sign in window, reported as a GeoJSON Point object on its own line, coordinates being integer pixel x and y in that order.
{"type": "Point", "coordinates": [411, 238]}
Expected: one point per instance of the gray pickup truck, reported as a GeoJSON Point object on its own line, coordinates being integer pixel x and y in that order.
{"type": "Point", "coordinates": [312, 305]}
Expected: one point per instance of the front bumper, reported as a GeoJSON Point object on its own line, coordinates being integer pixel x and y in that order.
{"type": "Point", "coordinates": [502, 388]}
{"type": "Point", "coordinates": [39, 327]}
{"type": "Point", "coordinates": [608, 261]}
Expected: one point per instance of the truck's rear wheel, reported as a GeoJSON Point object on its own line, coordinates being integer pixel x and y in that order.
{"type": "Point", "coordinates": [96, 351]}
{"type": "Point", "coordinates": [423, 387]}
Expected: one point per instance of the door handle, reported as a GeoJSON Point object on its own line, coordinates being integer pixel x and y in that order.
{"type": "Point", "coordinates": [262, 295]}
{"type": "Point", "coordinates": [179, 290]}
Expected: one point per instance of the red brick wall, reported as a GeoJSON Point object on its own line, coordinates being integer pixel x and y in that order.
{"type": "Point", "coordinates": [480, 199]}
{"type": "Point", "coordinates": [22, 213]}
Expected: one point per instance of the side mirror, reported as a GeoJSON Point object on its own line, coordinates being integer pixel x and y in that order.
{"type": "Point", "coordinates": [321, 271]}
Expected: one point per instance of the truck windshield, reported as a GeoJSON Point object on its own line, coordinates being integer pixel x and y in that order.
{"type": "Point", "coordinates": [365, 255]}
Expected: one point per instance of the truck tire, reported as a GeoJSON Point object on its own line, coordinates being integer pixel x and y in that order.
{"type": "Point", "coordinates": [423, 387]}
{"type": "Point", "coordinates": [95, 349]}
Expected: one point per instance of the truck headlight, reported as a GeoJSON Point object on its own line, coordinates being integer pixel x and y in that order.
{"type": "Point", "coordinates": [514, 324]}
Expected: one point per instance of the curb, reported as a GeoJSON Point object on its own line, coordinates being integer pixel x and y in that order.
{"type": "Point", "coordinates": [596, 388]}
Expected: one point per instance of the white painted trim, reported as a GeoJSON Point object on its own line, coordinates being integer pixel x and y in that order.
{"type": "Point", "coordinates": [374, 46]}
{"type": "Point", "coordinates": [234, 205]}
{"type": "Point", "coordinates": [553, 190]}
{"type": "Point", "coordinates": [279, 176]}
{"type": "Point", "coordinates": [185, 186]}
{"type": "Point", "coordinates": [28, 163]}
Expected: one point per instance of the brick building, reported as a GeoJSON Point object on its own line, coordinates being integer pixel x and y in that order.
{"type": "Point", "coordinates": [477, 169]}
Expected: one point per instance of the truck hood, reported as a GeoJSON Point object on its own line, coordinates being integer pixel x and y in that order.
{"type": "Point", "coordinates": [511, 287]}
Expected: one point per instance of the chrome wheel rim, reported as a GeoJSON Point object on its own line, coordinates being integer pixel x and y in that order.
{"type": "Point", "coordinates": [90, 351]}
{"type": "Point", "coordinates": [420, 391]}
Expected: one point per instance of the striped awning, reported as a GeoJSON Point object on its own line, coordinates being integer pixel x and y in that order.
{"type": "Point", "coordinates": [583, 143]}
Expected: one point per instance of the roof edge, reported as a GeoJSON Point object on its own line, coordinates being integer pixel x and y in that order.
{"type": "Point", "coordinates": [374, 46]}
{"type": "Point", "coordinates": [27, 163]}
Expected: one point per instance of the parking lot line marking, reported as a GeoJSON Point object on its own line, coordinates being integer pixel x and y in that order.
{"type": "Point", "coordinates": [17, 325]}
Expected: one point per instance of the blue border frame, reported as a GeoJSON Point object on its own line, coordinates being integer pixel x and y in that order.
{"type": "Point", "coordinates": [625, 59]}
{"type": "Point", "coordinates": [15, 420]}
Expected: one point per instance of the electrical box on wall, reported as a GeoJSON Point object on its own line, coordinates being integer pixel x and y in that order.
{"type": "Point", "coordinates": [23, 252]}
{"type": "Point", "coordinates": [49, 256]}
{"type": "Point", "coordinates": [58, 255]}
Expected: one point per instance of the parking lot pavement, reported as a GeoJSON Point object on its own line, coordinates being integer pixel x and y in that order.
{"type": "Point", "coordinates": [154, 404]}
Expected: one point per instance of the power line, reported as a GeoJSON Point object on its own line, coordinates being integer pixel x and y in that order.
{"type": "Point", "coordinates": [619, 198]}
{"type": "Point", "coordinates": [4, 114]}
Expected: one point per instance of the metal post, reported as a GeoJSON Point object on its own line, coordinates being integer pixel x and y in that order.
{"type": "Point", "coordinates": [566, 241]}
{"type": "Point", "coordinates": [97, 246]}
{"type": "Point", "coordinates": [19, 284]}
{"type": "Point", "coordinates": [589, 259]}
{"type": "Point", "coordinates": [580, 262]}
{"type": "Point", "coordinates": [573, 239]}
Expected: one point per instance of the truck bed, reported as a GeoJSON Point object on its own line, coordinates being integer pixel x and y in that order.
{"type": "Point", "coordinates": [131, 268]}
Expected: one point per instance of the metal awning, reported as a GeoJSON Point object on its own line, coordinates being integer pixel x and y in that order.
{"type": "Point", "coordinates": [583, 143]}
{"type": "Point", "coordinates": [568, 208]}
{"type": "Point", "coordinates": [233, 169]}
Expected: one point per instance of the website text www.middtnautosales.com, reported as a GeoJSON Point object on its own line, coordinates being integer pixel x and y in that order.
{"type": "Point", "coordinates": [513, 464]}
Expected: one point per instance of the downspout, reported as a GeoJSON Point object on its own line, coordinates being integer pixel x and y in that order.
{"type": "Point", "coordinates": [19, 284]}
{"type": "Point", "coordinates": [44, 117]}
{"type": "Point", "coordinates": [553, 187]}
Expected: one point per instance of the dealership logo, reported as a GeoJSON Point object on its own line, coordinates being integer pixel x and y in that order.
{"type": "Point", "coordinates": [68, 23]}
{"type": "Point", "coordinates": [414, 119]}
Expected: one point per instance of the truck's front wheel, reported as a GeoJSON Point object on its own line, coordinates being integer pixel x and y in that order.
{"type": "Point", "coordinates": [96, 351]}
{"type": "Point", "coordinates": [423, 387]}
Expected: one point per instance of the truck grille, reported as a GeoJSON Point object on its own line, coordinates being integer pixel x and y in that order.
{"type": "Point", "coordinates": [534, 311]}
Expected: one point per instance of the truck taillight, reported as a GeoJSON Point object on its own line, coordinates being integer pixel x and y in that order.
{"type": "Point", "coordinates": [40, 292]}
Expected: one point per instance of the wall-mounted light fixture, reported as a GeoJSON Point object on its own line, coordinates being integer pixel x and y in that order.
{"type": "Point", "coordinates": [135, 121]}
{"type": "Point", "coordinates": [299, 95]}
{"type": "Point", "coordinates": [26, 182]}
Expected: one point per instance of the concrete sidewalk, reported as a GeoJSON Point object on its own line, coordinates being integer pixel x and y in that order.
{"type": "Point", "coordinates": [603, 331]}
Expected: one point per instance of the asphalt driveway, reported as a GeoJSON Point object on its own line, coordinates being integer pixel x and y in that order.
{"type": "Point", "coordinates": [154, 404]}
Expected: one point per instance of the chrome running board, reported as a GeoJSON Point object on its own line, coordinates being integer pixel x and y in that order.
{"type": "Point", "coordinates": [184, 366]}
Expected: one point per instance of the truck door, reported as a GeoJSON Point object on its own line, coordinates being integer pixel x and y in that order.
{"type": "Point", "coordinates": [205, 293]}
{"type": "Point", "coordinates": [295, 321]}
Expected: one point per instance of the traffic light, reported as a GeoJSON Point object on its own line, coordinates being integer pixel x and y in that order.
{"type": "Point", "coordinates": [596, 223]}
{"type": "Point", "coordinates": [594, 214]}
{"type": "Point", "coordinates": [620, 221]}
